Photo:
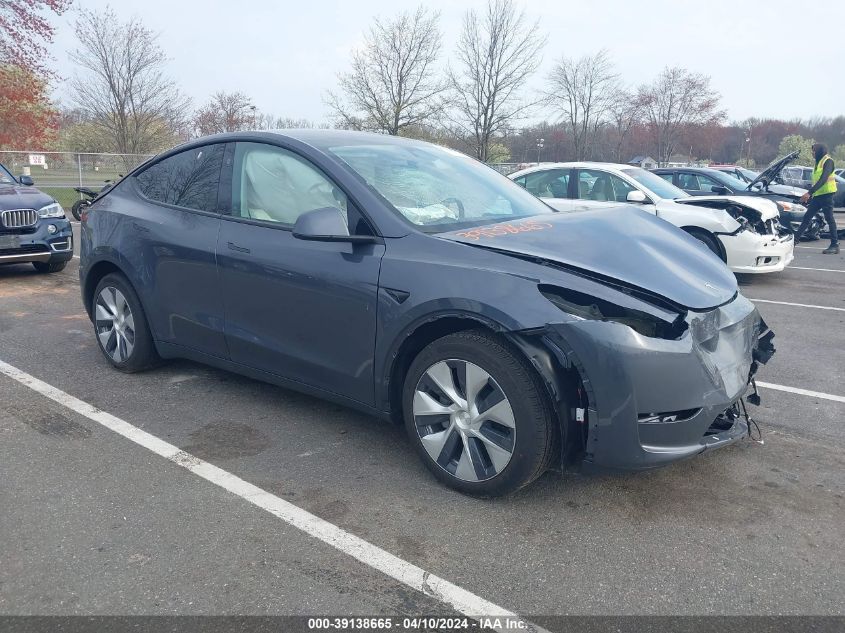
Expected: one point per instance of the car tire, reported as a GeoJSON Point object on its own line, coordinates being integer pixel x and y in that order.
{"type": "Point", "coordinates": [708, 240]}
{"type": "Point", "coordinates": [49, 267]}
{"type": "Point", "coordinates": [480, 455]}
{"type": "Point", "coordinates": [120, 325]}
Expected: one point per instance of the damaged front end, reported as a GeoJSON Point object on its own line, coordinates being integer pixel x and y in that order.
{"type": "Point", "coordinates": [641, 385]}
{"type": "Point", "coordinates": [749, 215]}
{"type": "Point", "coordinates": [759, 243]}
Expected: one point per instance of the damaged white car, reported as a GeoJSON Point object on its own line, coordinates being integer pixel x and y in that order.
{"type": "Point", "coordinates": [743, 231]}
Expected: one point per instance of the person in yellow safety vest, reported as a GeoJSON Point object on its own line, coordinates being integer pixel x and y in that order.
{"type": "Point", "coordinates": [820, 197]}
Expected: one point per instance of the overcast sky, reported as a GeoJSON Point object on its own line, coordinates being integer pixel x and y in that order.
{"type": "Point", "coordinates": [285, 54]}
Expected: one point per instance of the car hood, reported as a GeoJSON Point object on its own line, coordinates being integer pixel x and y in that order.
{"type": "Point", "coordinates": [766, 208]}
{"type": "Point", "coordinates": [786, 190]}
{"type": "Point", "coordinates": [21, 197]}
{"type": "Point", "coordinates": [622, 245]}
{"type": "Point", "coordinates": [773, 171]}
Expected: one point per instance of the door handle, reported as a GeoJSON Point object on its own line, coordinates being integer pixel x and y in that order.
{"type": "Point", "coordinates": [234, 247]}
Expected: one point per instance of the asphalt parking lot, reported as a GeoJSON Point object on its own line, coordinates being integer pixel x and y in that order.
{"type": "Point", "coordinates": [93, 523]}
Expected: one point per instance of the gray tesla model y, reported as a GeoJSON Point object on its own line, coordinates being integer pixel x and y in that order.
{"type": "Point", "coordinates": [412, 282]}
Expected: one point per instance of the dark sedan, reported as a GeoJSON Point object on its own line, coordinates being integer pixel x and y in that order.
{"type": "Point", "coordinates": [702, 181]}
{"type": "Point", "coordinates": [414, 283]}
{"type": "Point", "coordinates": [33, 227]}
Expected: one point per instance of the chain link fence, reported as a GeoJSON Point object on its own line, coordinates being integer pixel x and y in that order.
{"type": "Point", "coordinates": [57, 173]}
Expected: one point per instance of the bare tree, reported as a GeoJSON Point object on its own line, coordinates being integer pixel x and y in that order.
{"type": "Point", "coordinates": [393, 83]}
{"type": "Point", "coordinates": [677, 99]}
{"type": "Point", "coordinates": [624, 112]}
{"type": "Point", "coordinates": [225, 112]}
{"type": "Point", "coordinates": [124, 90]}
{"type": "Point", "coordinates": [583, 91]}
{"type": "Point", "coordinates": [497, 53]}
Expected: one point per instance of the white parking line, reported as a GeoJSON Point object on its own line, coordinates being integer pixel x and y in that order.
{"type": "Point", "coordinates": [801, 392]}
{"type": "Point", "coordinates": [407, 573]}
{"type": "Point", "coordinates": [824, 270]}
{"type": "Point", "coordinates": [797, 305]}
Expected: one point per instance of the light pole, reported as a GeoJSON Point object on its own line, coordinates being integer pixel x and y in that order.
{"type": "Point", "coordinates": [748, 153]}
{"type": "Point", "coordinates": [253, 109]}
{"type": "Point", "coordinates": [540, 146]}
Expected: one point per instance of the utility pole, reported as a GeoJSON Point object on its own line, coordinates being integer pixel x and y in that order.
{"type": "Point", "coordinates": [540, 146]}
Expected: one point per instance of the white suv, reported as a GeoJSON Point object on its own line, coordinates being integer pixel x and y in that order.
{"type": "Point", "coordinates": [743, 231]}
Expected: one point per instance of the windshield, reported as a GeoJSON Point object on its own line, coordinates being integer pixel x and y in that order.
{"type": "Point", "coordinates": [655, 184]}
{"type": "Point", "coordinates": [747, 174]}
{"type": "Point", "coordinates": [6, 178]}
{"type": "Point", "coordinates": [438, 189]}
{"type": "Point", "coordinates": [728, 180]}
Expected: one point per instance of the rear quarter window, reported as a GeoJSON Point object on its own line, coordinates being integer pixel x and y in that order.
{"type": "Point", "coordinates": [189, 179]}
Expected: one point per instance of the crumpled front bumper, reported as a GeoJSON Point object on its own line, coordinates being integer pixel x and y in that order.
{"type": "Point", "coordinates": [653, 401]}
{"type": "Point", "coordinates": [750, 253]}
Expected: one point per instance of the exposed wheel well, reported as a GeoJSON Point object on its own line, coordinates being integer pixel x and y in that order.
{"type": "Point", "coordinates": [697, 230]}
{"type": "Point", "coordinates": [414, 344]}
{"type": "Point", "coordinates": [97, 272]}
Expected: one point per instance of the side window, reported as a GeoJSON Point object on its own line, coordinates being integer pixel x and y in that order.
{"type": "Point", "coordinates": [666, 177]}
{"type": "Point", "coordinates": [188, 179]}
{"type": "Point", "coordinates": [707, 183]}
{"type": "Point", "coordinates": [275, 185]}
{"type": "Point", "coordinates": [688, 182]}
{"type": "Point", "coordinates": [599, 185]}
{"type": "Point", "coordinates": [548, 184]}
{"type": "Point", "coordinates": [621, 189]}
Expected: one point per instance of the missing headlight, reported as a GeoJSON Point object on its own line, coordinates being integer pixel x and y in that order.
{"type": "Point", "coordinates": [748, 219]}
{"type": "Point", "coordinates": [594, 309]}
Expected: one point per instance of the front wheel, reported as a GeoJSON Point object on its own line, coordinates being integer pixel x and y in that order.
{"type": "Point", "coordinates": [708, 240]}
{"type": "Point", "coordinates": [477, 414]}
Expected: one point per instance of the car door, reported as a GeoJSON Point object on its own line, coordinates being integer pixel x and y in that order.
{"type": "Point", "coordinates": [552, 185]}
{"type": "Point", "coordinates": [171, 238]}
{"type": "Point", "coordinates": [303, 310]}
{"type": "Point", "coordinates": [598, 188]}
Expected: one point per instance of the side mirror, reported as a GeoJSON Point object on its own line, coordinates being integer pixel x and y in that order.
{"type": "Point", "coordinates": [25, 180]}
{"type": "Point", "coordinates": [636, 196]}
{"type": "Point", "coordinates": [326, 225]}
{"type": "Point", "coordinates": [720, 190]}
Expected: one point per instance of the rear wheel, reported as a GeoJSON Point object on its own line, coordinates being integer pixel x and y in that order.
{"type": "Point", "coordinates": [49, 267]}
{"type": "Point", "coordinates": [121, 325]}
{"type": "Point", "coordinates": [477, 414]}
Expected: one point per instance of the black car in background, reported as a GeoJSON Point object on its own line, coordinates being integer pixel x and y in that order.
{"type": "Point", "coordinates": [414, 283]}
{"type": "Point", "coordinates": [703, 181]}
{"type": "Point", "coordinates": [769, 180]}
{"type": "Point", "coordinates": [33, 226]}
